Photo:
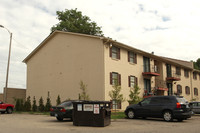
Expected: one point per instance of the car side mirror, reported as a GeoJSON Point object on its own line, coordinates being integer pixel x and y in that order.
{"type": "Point", "coordinates": [140, 103]}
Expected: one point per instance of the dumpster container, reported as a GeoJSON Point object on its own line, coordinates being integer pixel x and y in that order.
{"type": "Point", "coordinates": [91, 113]}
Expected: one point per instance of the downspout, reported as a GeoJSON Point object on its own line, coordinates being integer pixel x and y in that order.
{"type": "Point", "coordinates": [191, 85]}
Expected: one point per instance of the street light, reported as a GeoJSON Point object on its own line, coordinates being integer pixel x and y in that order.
{"type": "Point", "coordinates": [6, 85]}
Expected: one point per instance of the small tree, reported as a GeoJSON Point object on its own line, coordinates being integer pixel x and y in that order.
{"type": "Point", "coordinates": [58, 101]}
{"type": "Point", "coordinates": [48, 103]}
{"type": "Point", "coordinates": [27, 104]}
{"type": "Point", "coordinates": [134, 95]}
{"type": "Point", "coordinates": [115, 95]}
{"type": "Point", "coordinates": [41, 105]}
{"type": "Point", "coordinates": [19, 106]}
{"type": "Point", "coordinates": [83, 95]}
{"type": "Point", "coordinates": [34, 107]}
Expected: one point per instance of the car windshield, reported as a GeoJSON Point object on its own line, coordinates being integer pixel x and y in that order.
{"type": "Point", "coordinates": [182, 100]}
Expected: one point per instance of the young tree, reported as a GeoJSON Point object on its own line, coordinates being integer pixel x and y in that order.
{"type": "Point", "coordinates": [73, 21]}
{"type": "Point", "coordinates": [41, 105]}
{"type": "Point", "coordinates": [83, 95]}
{"type": "Point", "coordinates": [134, 95]}
{"type": "Point", "coordinates": [58, 101]}
{"type": "Point", "coordinates": [27, 104]}
{"type": "Point", "coordinates": [48, 103]}
{"type": "Point", "coordinates": [115, 95]}
{"type": "Point", "coordinates": [19, 106]}
{"type": "Point", "coordinates": [34, 107]}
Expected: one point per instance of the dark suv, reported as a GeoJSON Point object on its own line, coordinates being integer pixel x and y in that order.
{"type": "Point", "coordinates": [166, 107]}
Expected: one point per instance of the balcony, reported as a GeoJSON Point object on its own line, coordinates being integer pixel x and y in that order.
{"type": "Point", "coordinates": [173, 76]}
{"type": "Point", "coordinates": [151, 70]}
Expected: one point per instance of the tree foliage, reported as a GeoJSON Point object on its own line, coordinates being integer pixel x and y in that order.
{"type": "Point", "coordinates": [73, 21]}
{"type": "Point", "coordinates": [48, 103]}
{"type": "Point", "coordinates": [58, 101]}
{"type": "Point", "coordinates": [197, 64]}
{"type": "Point", "coordinates": [41, 104]}
{"type": "Point", "coordinates": [27, 104]}
{"type": "Point", "coordinates": [34, 106]}
{"type": "Point", "coordinates": [83, 95]}
{"type": "Point", "coordinates": [19, 106]}
{"type": "Point", "coordinates": [134, 95]}
{"type": "Point", "coordinates": [115, 94]}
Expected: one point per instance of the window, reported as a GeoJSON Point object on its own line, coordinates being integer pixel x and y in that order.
{"type": "Point", "coordinates": [196, 91]}
{"type": "Point", "coordinates": [115, 78]}
{"type": "Point", "coordinates": [194, 75]}
{"type": "Point", "coordinates": [132, 81]}
{"type": "Point", "coordinates": [132, 57]}
{"type": "Point", "coordinates": [186, 73]}
{"type": "Point", "coordinates": [178, 70]}
{"type": "Point", "coordinates": [187, 90]}
{"type": "Point", "coordinates": [146, 101]}
{"type": "Point", "coordinates": [115, 104]}
{"type": "Point", "coordinates": [115, 52]}
{"type": "Point", "coordinates": [179, 89]}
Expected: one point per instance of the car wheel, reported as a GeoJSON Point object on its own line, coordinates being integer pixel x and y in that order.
{"type": "Point", "coordinates": [59, 118]}
{"type": "Point", "coordinates": [9, 110]}
{"type": "Point", "coordinates": [131, 114]}
{"type": "Point", "coordinates": [180, 120]}
{"type": "Point", "coordinates": [167, 116]}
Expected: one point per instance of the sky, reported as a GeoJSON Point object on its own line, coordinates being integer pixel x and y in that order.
{"type": "Point", "coordinates": [169, 28]}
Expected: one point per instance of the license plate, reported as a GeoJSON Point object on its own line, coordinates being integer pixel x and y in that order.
{"type": "Point", "coordinates": [56, 115]}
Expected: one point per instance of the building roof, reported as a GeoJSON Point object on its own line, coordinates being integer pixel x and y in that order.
{"type": "Point", "coordinates": [180, 63]}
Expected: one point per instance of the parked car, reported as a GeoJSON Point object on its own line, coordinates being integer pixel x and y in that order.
{"type": "Point", "coordinates": [5, 107]}
{"type": "Point", "coordinates": [195, 107]}
{"type": "Point", "coordinates": [63, 110]}
{"type": "Point", "coordinates": [166, 107]}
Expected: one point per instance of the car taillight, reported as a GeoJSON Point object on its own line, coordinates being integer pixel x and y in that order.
{"type": "Point", "coordinates": [178, 105]}
{"type": "Point", "coordinates": [62, 110]}
{"type": "Point", "coordinates": [51, 109]}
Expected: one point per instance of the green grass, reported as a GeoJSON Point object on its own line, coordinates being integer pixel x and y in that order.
{"type": "Point", "coordinates": [31, 112]}
{"type": "Point", "coordinates": [118, 115]}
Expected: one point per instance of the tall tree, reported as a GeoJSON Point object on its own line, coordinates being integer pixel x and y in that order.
{"type": "Point", "coordinates": [58, 101]}
{"type": "Point", "coordinates": [197, 64]}
{"type": "Point", "coordinates": [73, 21]}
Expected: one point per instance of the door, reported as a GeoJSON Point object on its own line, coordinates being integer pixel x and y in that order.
{"type": "Point", "coordinates": [147, 86]}
{"type": "Point", "coordinates": [146, 63]}
{"type": "Point", "coordinates": [143, 109]}
{"type": "Point", "coordinates": [170, 89]}
{"type": "Point", "coordinates": [169, 70]}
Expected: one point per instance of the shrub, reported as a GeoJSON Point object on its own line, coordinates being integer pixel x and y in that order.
{"type": "Point", "coordinates": [34, 107]}
{"type": "Point", "coordinates": [41, 105]}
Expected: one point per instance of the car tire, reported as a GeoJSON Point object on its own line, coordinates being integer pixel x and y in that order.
{"type": "Point", "coordinates": [131, 114]}
{"type": "Point", "coordinates": [167, 116]}
{"type": "Point", "coordinates": [59, 118]}
{"type": "Point", "coordinates": [9, 110]}
{"type": "Point", "coordinates": [180, 120]}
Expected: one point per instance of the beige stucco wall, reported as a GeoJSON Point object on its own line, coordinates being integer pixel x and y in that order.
{"type": "Point", "coordinates": [124, 68]}
{"type": "Point", "coordinates": [196, 84]}
{"type": "Point", "coordinates": [60, 65]}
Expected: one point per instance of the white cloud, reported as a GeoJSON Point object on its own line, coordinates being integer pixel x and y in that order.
{"type": "Point", "coordinates": [169, 28]}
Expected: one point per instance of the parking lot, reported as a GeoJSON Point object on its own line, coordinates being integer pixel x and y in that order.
{"type": "Point", "coordinates": [27, 123]}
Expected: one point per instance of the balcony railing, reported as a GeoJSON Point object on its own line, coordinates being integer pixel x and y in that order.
{"type": "Point", "coordinates": [151, 70]}
{"type": "Point", "coordinates": [173, 76]}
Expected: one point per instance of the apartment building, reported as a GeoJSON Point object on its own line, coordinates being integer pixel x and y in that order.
{"type": "Point", "coordinates": [64, 59]}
